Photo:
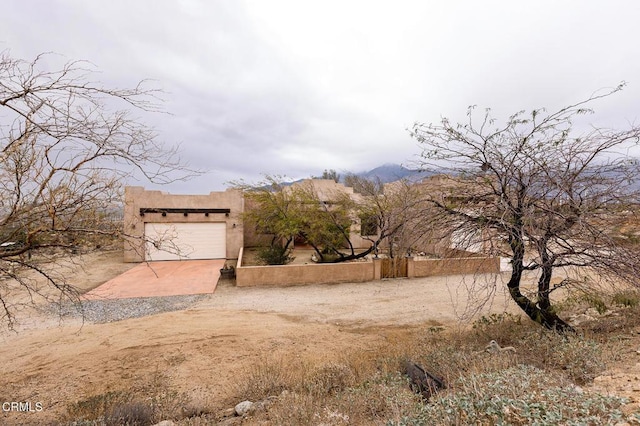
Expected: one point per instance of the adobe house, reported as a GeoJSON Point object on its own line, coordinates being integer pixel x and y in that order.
{"type": "Point", "coordinates": [163, 226]}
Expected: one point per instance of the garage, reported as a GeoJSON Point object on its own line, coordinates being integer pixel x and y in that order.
{"type": "Point", "coordinates": [185, 241]}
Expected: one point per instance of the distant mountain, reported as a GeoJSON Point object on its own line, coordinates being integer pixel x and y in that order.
{"type": "Point", "coordinates": [386, 173]}
{"type": "Point", "coordinates": [392, 172]}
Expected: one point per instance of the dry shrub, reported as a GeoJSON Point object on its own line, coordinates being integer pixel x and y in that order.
{"type": "Point", "coordinates": [272, 375]}
{"type": "Point", "coordinates": [374, 401]}
{"type": "Point", "coordinates": [504, 328]}
{"type": "Point", "coordinates": [130, 414]}
{"type": "Point", "coordinates": [534, 385]}
{"type": "Point", "coordinates": [454, 354]}
{"type": "Point", "coordinates": [330, 378]}
{"type": "Point", "coordinates": [292, 408]}
{"type": "Point", "coordinates": [96, 407]}
{"type": "Point", "coordinates": [356, 387]}
{"type": "Point", "coordinates": [577, 357]}
{"type": "Point", "coordinates": [602, 301]}
{"type": "Point", "coordinates": [143, 404]}
{"type": "Point", "coordinates": [621, 320]}
{"type": "Point", "coordinates": [382, 398]}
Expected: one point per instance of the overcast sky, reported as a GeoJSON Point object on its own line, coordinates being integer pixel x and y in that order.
{"type": "Point", "coordinates": [295, 87]}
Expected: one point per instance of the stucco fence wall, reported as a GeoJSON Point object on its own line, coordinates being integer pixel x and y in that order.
{"type": "Point", "coordinates": [321, 273]}
{"type": "Point", "coordinates": [453, 266]}
{"type": "Point", "coordinates": [328, 273]}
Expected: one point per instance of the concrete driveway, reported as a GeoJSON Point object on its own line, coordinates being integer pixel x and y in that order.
{"type": "Point", "coordinates": [168, 278]}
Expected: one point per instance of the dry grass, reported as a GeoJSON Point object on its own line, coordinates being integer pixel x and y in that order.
{"type": "Point", "coordinates": [539, 383]}
{"type": "Point", "coordinates": [147, 403]}
{"type": "Point", "coordinates": [368, 387]}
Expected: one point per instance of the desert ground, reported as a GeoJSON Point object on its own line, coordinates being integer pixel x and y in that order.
{"type": "Point", "coordinates": [203, 349]}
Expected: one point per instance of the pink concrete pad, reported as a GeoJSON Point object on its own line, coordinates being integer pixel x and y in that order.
{"type": "Point", "coordinates": [168, 278]}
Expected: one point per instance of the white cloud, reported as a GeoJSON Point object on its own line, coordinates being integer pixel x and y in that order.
{"type": "Point", "coordinates": [296, 87]}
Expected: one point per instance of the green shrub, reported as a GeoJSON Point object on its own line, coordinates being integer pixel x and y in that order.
{"type": "Point", "coordinates": [496, 319]}
{"type": "Point", "coordinates": [596, 303]}
{"type": "Point", "coordinates": [628, 299]}
{"type": "Point", "coordinates": [579, 300]}
{"type": "Point", "coordinates": [274, 255]}
{"type": "Point", "coordinates": [521, 395]}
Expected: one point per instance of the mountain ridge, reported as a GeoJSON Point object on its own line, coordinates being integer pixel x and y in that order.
{"type": "Point", "coordinates": [390, 172]}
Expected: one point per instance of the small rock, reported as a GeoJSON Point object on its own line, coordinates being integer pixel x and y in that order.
{"type": "Point", "coordinates": [579, 319]}
{"type": "Point", "coordinates": [165, 423]}
{"type": "Point", "coordinates": [243, 408]}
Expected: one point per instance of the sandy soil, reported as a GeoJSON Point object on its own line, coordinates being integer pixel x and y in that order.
{"type": "Point", "coordinates": [202, 349]}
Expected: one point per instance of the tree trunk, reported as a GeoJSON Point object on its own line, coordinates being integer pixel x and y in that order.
{"type": "Point", "coordinates": [355, 256]}
{"type": "Point", "coordinates": [540, 312]}
{"type": "Point", "coordinates": [544, 302]}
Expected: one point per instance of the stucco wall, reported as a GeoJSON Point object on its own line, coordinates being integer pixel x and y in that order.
{"type": "Point", "coordinates": [453, 266]}
{"type": "Point", "coordinates": [326, 273]}
{"type": "Point", "coordinates": [136, 197]}
{"type": "Point", "coordinates": [304, 274]}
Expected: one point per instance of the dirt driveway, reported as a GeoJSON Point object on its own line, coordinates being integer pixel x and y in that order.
{"type": "Point", "coordinates": [201, 350]}
{"type": "Point", "coordinates": [438, 300]}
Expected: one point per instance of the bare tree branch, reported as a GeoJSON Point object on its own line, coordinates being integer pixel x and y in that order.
{"type": "Point", "coordinates": [539, 192]}
{"type": "Point", "coordinates": [67, 145]}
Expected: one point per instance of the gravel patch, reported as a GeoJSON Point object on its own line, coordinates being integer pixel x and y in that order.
{"type": "Point", "coordinates": [110, 310]}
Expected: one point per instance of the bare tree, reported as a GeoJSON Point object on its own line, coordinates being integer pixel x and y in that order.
{"type": "Point", "coordinates": [390, 209]}
{"type": "Point", "coordinates": [537, 191]}
{"type": "Point", "coordinates": [66, 146]}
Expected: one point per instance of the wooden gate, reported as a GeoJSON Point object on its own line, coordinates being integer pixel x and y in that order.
{"type": "Point", "coordinates": [396, 267]}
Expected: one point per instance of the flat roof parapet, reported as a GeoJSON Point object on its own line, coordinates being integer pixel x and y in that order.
{"type": "Point", "coordinates": [164, 211]}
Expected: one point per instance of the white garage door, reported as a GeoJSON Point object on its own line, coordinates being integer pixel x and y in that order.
{"type": "Point", "coordinates": [176, 241]}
